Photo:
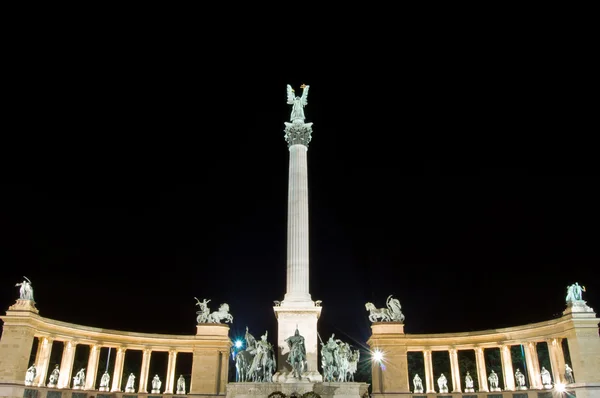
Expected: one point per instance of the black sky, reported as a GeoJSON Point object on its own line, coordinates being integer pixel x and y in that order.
{"type": "Point", "coordinates": [464, 186]}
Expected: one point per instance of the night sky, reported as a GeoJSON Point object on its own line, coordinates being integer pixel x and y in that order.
{"type": "Point", "coordinates": [461, 190]}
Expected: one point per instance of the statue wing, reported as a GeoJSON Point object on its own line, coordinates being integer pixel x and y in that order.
{"type": "Point", "coordinates": [290, 94]}
{"type": "Point", "coordinates": [304, 95]}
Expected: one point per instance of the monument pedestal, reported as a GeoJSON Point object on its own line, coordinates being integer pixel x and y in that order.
{"type": "Point", "coordinates": [469, 390]}
{"type": "Point", "coordinates": [496, 389]}
{"type": "Point", "coordinates": [130, 390]}
{"type": "Point", "coordinates": [101, 389]}
{"type": "Point", "coordinates": [325, 390]}
{"type": "Point", "coordinates": [210, 362]}
{"type": "Point", "coordinates": [388, 337]}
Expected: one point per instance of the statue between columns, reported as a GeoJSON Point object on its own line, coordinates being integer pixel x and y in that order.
{"type": "Point", "coordinates": [417, 384]}
{"type": "Point", "coordinates": [156, 383]}
{"type": "Point", "coordinates": [443, 384]}
{"type": "Point", "coordinates": [520, 379]}
{"type": "Point", "coordinates": [393, 312]}
{"type": "Point", "coordinates": [130, 383]}
{"type": "Point", "coordinates": [104, 381]}
{"type": "Point", "coordinates": [469, 383]}
{"type": "Point", "coordinates": [30, 375]}
{"type": "Point", "coordinates": [180, 385]}
{"type": "Point", "coordinates": [53, 377]}
{"type": "Point", "coordinates": [493, 380]}
{"type": "Point", "coordinates": [546, 378]}
{"type": "Point", "coordinates": [79, 380]}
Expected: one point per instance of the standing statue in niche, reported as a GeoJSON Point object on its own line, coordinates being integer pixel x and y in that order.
{"type": "Point", "coordinates": [130, 383]}
{"type": "Point", "coordinates": [443, 384]}
{"type": "Point", "coordinates": [469, 383]}
{"type": "Point", "coordinates": [26, 291]}
{"type": "Point", "coordinates": [203, 312]}
{"type": "Point", "coordinates": [298, 103]}
{"type": "Point", "coordinates": [180, 385]}
{"type": "Point", "coordinates": [30, 375]}
{"type": "Point", "coordinates": [493, 379]}
{"type": "Point", "coordinates": [574, 292]}
{"type": "Point", "coordinates": [546, 378]}
{"type": "Point", "coordinates": [417, 384]}
{"type": "Point", "coordinates": [393, 312]}
{"type": "Point", "coordinates": [297, 355]}
{"type": "Point", "coordinates": [104, 381]}
{"type": "Point", "coordinates": [53, 377]}
{"type": "Point", "coordinates": [520, 379]}
{"type": "Point", "coordinates": [569, 374]}
{"type": "Point", "coordinates": [79, 379]}
{"type": "Point", "coordinates": [156, 383]}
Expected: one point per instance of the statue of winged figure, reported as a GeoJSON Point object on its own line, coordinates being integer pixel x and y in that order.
{"type": "Point", "coordinates": [298, 103]}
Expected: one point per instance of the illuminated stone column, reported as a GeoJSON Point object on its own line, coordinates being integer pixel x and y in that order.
{"type": "Point", "coordinates": [66, 364]}
{"type": "Point", "coordinates": [455, 370]}
{"type": "Point", "coordinates": [143, 387]}
{"type": "Point", "coordinates": [533, 365]}
{"type": "Point", "coordinates": [557, 359]}
{"type": "Point", "coordinates": [170, 372]}
{"type": "Point", "coordinates": [42, 361]}
{"type": "Point", "coordinates": [92, 367]}
{"type": "Point", "coordinates": [429, 379]}
{"type": "Point", "coordinates": [297, 310]}
{"type": "Point", "coordinates": [481, 372]}
{"type": "Point", "coordinates": [507, 368]}
{"type": "Point", "coordinates": [118, 371]}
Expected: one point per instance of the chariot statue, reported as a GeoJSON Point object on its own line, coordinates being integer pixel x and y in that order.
{"type": "Point", "coordinates": [393, 312]}
{"type": "Point", "coordinates": [204, 312]}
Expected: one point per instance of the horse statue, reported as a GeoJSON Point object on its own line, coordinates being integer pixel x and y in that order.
{"type": "Point", "coordinates": [344, 358]}
{"type": "Point", "coordinates": [392, 313]}
{"type": "Point", "coordinates": [243, 360]}
{"type": "Point", "coordinates": [221, 314]}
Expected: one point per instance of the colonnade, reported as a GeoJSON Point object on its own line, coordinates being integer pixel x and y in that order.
{"type": "Point", "coordinates": [42, 363]}
{"type": "Point", "coordinates": [532, 365]}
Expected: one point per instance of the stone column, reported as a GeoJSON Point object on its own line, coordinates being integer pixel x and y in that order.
{"type": "Point", "coordinates": [66, 365]}
{"type": "Point", "coordinates": [170, 372]}
{"type": "Point", "coordinates": [92, 367]}
{"type": "Point", "coordinates": [389, 338]}
{"type": "Point", "coordinates": [481, 372]}
{"type": "Point", "coordinates": [456, 387]}
{"type": "Point", "coordinates": [533, 365]}
{"type": "Point", "coordinates": [429, 379]}
{"type": "Point", "coordinates": [507, 368]}
{"type": "Point", "coordinates": [143, 387]}
{"type": "Point", "coordinates": [42, 361]}
{"type": "Point", "coordinates": [557, 359]}
{"type": "Point", "coordinates": [118, 371]}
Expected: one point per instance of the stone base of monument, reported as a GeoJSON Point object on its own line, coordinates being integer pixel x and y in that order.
{"type": "Point", "coordinates": [469, 390]}
{"type": "Point", "coordinates": [325, 389]}
{"type": "Point", "coordinates": [156, 392]}
{"type": "Point", "coordinates": [495, 389]}
{"type": "Point", "coordinates": [444, 391]}
{"type": "Point", "coordinates": [103, 389]}
{"type": "Point", "coordinates": [129, 389]}
{"type": "Point", "coordinates": [418, 391]}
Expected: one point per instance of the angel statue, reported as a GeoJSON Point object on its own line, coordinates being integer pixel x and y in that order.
{"type": "Point", "coordinates": [298, 103]}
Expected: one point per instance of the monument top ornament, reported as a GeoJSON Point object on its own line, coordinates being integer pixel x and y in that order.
{"type": "Point", "coordinates": [297, 132]}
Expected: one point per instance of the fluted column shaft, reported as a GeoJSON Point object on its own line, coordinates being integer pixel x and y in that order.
{"type": "Point", "coordinates": [170, 372]}
{"type": "Point", "coordinates": [42, 361]}
{"type": "Point", "coordinates": [557, 360]}
{"type": "Point", "coordinates": [142, 388]}
{"type": "Point", "coordinates": [297, 240]}
{"type": "Point", "coordinates": [456, 387]}
{"type": "Point", "coordinates": [507, 368]}
{"type": "Point", "coordinates": [533, 366]}
{"type": "Point", "coordinates": [481, 372]}
{"type": "Point", "coordinates": [92, 368]}
{"type": "Point", "coordinates": [118, 371]}
{"type": "Point", "coordinates": [66, 365]}
{"type": "Point", "coordinates": [428, 371]}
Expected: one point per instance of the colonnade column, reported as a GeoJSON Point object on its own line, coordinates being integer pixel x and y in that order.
{"type": "Point", "coordinates": [533, 365]}
{"type": "Point", "coordinates": [455, 370]}
{"type": "Point", "coordinates": [507, 368]}
{"type": "Point", "coordinates": [142, 388]}
{"type": "Point", "coordinates": [481, 374]}
{"type": "Point", "coordinates": [42, 361]}
{"type": "Point", "coordinates": [557, 359]}
{"type": "Point", "coordinates": [118, 372]}
{"type": "Point", "coordinates": [428, 371]}
{"type": "Point", "coordinates": [66, 364]}
{"type": "Point", "coordinates": [92, 368]}
{"type": "Point", "coordinates": [171, 372]}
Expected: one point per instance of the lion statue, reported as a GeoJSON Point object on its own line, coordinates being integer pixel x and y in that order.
{"type": "Point", "coordinates": [221, 314]}
{"type": "Point", "coordinates": [393, 312]}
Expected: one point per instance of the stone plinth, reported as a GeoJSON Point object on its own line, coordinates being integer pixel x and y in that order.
{"type": "Point", "coordinates": [210, 359]}
{"type": "Point", "coordinates": [390, 376]}
{"type": "Point", "coordinates": [325, 390]}
{"type": "Point", "coordinates": [17, 340]}
{"type": "Point", "coordinates": [305, 318]}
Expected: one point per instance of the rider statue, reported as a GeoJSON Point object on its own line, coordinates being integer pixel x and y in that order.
{"type": "Point", "coordinates": [297, 355]}
{"type": "Point", "coordinates": [330, 358]}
